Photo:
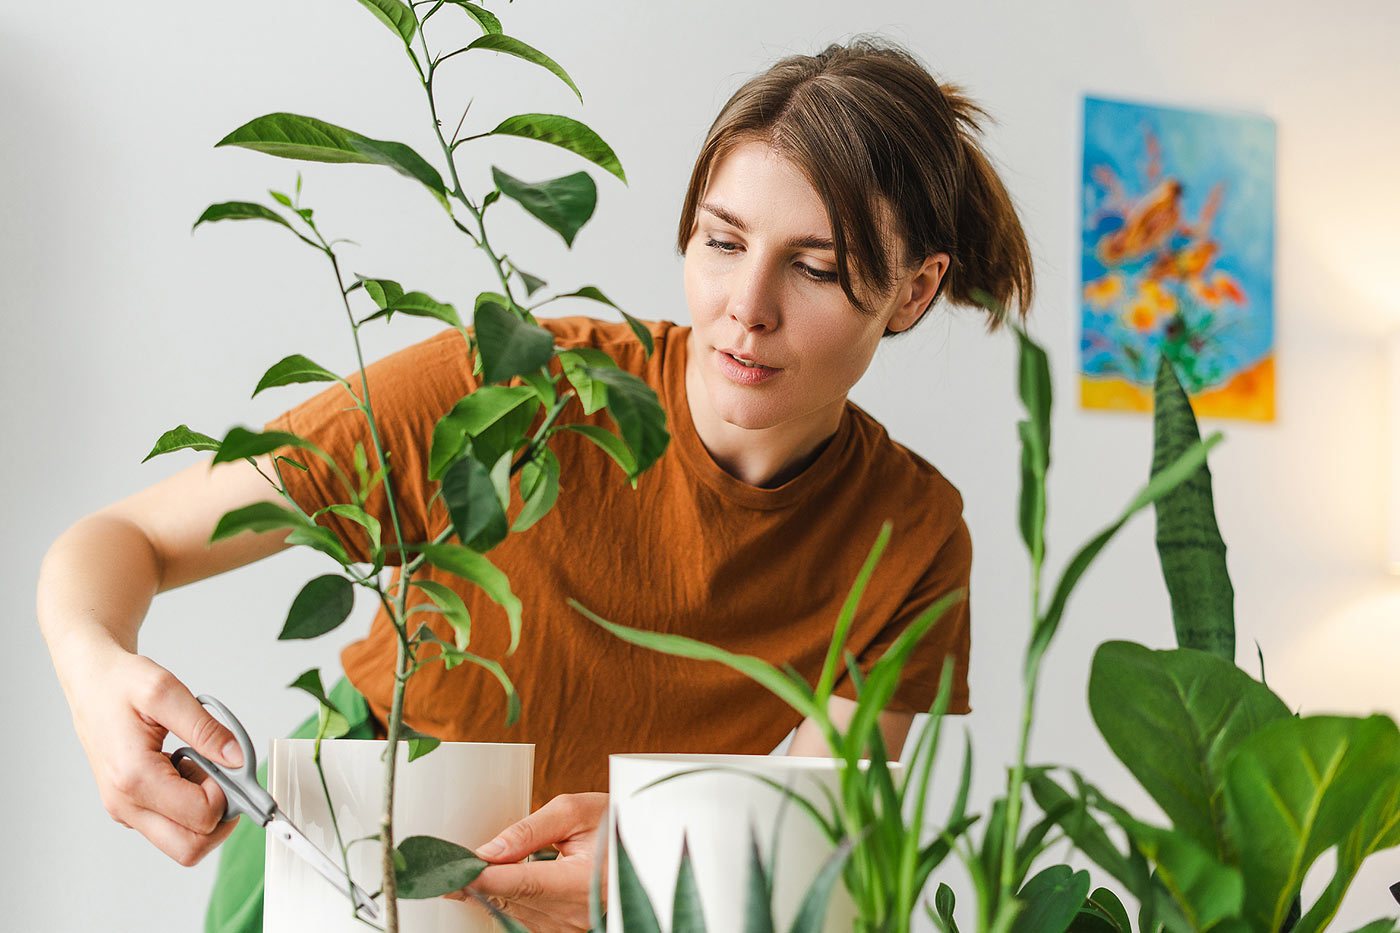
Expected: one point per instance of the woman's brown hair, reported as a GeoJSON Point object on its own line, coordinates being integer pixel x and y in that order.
{"type": "Point", "coordinates": [866, 123]}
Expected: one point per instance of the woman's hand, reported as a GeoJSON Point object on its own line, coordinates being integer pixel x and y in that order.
{"type": "Point", "coordinates": [123, 708]}
{"type": "Point", "coordinates": [546, 896]}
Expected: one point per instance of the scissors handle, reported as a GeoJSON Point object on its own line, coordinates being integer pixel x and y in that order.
{"type": "Point", "coordinates": [242, 792]}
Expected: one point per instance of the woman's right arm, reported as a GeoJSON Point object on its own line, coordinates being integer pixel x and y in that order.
{"type": "Point", "coordinates": [95, 586]}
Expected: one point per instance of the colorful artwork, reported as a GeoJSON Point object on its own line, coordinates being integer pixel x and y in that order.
{"type": "Point", "coordinates": [1178, 254]}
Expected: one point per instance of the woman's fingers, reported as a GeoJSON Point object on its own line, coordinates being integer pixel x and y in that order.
{"type": "Point", "coordinates": [174, 840]}
{"type": "Point", "coordinates": [565, 817]}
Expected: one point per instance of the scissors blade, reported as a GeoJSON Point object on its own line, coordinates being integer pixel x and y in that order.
{"type": "Point", "coordinates": [282, 828]}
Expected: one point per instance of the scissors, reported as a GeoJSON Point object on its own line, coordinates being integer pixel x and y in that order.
{"type": "Point", "coordinates": [244, 795]}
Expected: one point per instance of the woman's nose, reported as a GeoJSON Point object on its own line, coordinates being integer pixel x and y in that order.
{"type": "Point", "coordinates": [754, 300]}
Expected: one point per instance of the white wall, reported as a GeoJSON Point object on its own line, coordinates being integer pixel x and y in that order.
{"type": "Point", "coordinates": [118, 325]}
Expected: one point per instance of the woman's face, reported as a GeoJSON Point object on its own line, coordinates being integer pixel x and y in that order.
{"type": "Point", "coordinates": [775, 338]}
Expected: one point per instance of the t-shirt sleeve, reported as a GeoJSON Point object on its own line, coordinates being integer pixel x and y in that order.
{"type": "Point", "coordinates": [409, 391]}
{"type": "Point", "coordinates": [950, 637]}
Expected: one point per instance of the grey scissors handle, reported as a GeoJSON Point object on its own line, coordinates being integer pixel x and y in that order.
{"type": "Point", "coordinates": [242, 792]}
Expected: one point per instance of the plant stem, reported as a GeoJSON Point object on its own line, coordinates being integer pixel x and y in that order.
{"type": "Point", "coordinates": [386, 825]}
{"type": "Point", "coordinates": [1006, 906]}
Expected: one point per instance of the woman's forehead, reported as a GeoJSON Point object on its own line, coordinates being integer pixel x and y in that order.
{"type": "Point", "coordinates": [757, 184]}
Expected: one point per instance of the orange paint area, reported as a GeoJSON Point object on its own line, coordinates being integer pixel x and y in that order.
{"type": "Point", "coordinates": [1249, 395]}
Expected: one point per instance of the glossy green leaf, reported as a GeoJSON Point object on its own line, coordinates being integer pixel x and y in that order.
{"type": "Point", "coordinates": [687, 915]}
{"type": "Point", "coordinates": [532, 283]}
{"type": "Point", "coordinates": [1296, 788]}
{"type": "Point", "coordinates": [484, 17]}
{"type": "Point", "coordinates": [240, 210]}
{"type": "Point", "coordinates": [404, 160]}
{"type": "Point", "coordinates": [639, 330]}
{"type": "Point", "coordinates": [1174, 718]}
{"type": "Point", "coordinates": [508, 345]}
{"type": "Point", "coordinates": [638, 916]}
{"type": "Point", "coordinates": [1378, 829]}
{"type": "Point", "coordinates": [477, 516]}
{"type": "Point", "coordinates": [1034, 387]}
{"type": "Point", "coordinates": [1383, 925]}
{"type": "Point", "coordinates": [181, 438]}
{"type": "Point", "coordinates": [1109, 904]}
{"type": "Point", "coordinates": [239, 443]}
{"type": "Point", "coordinates": [539, 489]}
{"type": "Point", "coordinates": [610, 444]}
{"type": "Point", "coordinates": [497, 42]}
{"type": "Point", "coordinates": [320, 607]}
{"type": "Point", "coordinates": [383, 292]}
{"type": "Point", "coordinates": [331, 722]}
{"type": "Point", "coordinates": [561, 204]}
{"type": "Point", "coordinates": [294, 369]}
{"type": "Point", "coordinates": [396, 15]}
{"type": "Point", "coordinates": [1188, 538]}
{"type": "Point", "coordinates": [454, 610]}
{"type": "Point", "coordinates": [576, 362]}
{"type": "Point", "coordinates": [292, 136]}
{"type": "Point", "coordinates": [1051, 899]}
{"type": "Point", "coordinates": [474, 567]}
{"type": "Point", "coordinates": [944, 902]}
{"type": "Point", "coordinates": [827, 679]}
{"type": "Point", "coordinates": [758, 896]}
{"type": "Point", "coordinates": [434, 867]}
{"type": "Point", "coordinates": [565, 133]}
{"type": "Point", "coordinates": [1085, 832]}
{"type": "Point", "coordinates": [496, 670]}
{"type": "Point", "coordinates": [470, 417]}
{"type": "Point", "coordinates": [417, 304]}
{"type": "Point", "coordinates": [811, 913]}
{"type": "Point", "coordinates": [321, 539]}
{"type": "Point", "coordinates": [756, 669]}
{"type": "Point", "coordinates": [419, 743]}
{"type": "Point", "coordinates": [359, 516]}
{"type": "Point", "coordinates": [257, 517]}
{"type": "Point", "coordinates": [635, 409]}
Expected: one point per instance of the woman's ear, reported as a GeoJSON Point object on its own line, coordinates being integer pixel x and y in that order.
{"type": "Point", "coordinates": [917, 291]}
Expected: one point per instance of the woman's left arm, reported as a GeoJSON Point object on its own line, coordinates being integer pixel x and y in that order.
{"type": "Point", "coordinates": [809, 740]}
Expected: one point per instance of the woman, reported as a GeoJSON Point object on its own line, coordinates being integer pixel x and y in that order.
{"type": "Point", "coordinates": [835, 199]}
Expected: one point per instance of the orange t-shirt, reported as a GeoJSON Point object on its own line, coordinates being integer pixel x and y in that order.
{"type": "Point", "coordinates": [691, 550]}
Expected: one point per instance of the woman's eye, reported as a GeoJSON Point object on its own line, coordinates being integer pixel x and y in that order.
{"type": "Point", "coordinates": [817, 275]}
{"type": "Point", "coordinates": [724, 246]}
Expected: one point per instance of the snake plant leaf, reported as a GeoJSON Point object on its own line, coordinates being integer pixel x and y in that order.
{"type": "Point", "coordinates": [539, 489]}
{"type": "Point", "coordinates": [508, 345]}
{"type": "Point", "coordinates": [433, 867]}
{"type": "Point", "coordinates": [1296, 788]}
{"type": "Point", "coordinates": [256, 517]}
{"type": "Point", "coordinates": [181, 438]}
{"type": "Point", "coordinates": [635, 409]}
{"type": "Point", "coordinates": [321, 606]}
{"type": "Point", "coordinates": [474, 567]}
{"type": "Point", "coordinates": [477, 516]}
{"type": "Point", "coordinates": [472, 416]}
{"type": "Point", "coordinates": [294, 369]}
{"type": "Point", "coordinates": [396, 15]}
{"type": "Point", "coordinates": [687, 915]}
{"type": "Point", "coordinates": [563, 205]}
{"type": "Point", "coordinates": [453, 609]}
{"type": "Point", "coordinates": [1051, 899]}
{"type": "Point", "coordinates": [639, 330]}
{"type": "Point", "coordinates": [1033, 384]}
{"type": "Point", "coordinates": [484, 18]}
{"type": "Point", "coordinates": [419, 743]}
{"type": "Point", "coordinates": [755, 669]}
{"type": "Point", "coordinates": [758, 898]}
{"type": "Point", "coordinates": [1174, 718]}
{"type": "Point", "coordinates": [576, 362]}
{"type": "Point", "coordinates": [811, 913]}
{"type": "Point", "coordinates": [563, 132]}
{"type": "Point", "coordinates": [1189, 545]}
{"type": "Point", "coordinates": [1378, 829]}
{"type": "Point", "coordinates": [497, 42]}
{"type": "Point", "coordinates": [638, 916]}
{"type": "Point", "coordinates": [610, 444]}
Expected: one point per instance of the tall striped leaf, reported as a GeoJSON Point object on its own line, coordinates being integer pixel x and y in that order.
{"type": "Point", "coordinates": [1188, 538]}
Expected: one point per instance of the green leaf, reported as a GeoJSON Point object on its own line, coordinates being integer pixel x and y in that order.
{"type": "Point", "coordinates": [1034, 386]}
{"type": "Point", "coordinates": [1378, 828]}
{"type": "Point", "coordinates": [1110, 906]}
{"type": "Point", "coordinates": [508, 345]}
{"type": "Point", "coordinates": [396, 15]}
{"type": "Point", "coordinates": [756, 669]}
{"type": "Point", "coordinates": [240, 210]}
{"type": "Point", "coordinates": [321, 539]}
{"type": "Point", "coordinates": [434, 867]}
{"type": "Point", "coordinates": [1383, 925]}
{"type": "Point", "coordinates": [635, 409]}
{"type": "Point", "coordinates": [1085, 832]}
{"type": "Point", "coordinates": [539, 488]}
{"type": "Point", "coordinates": [944, 901]}
{"type": "Point", "coordinates": [1174, 718]}
{"type": "Point", "coordinates": [495, 669]}
{"type": "Point", "coordinates": [293, 369]}
{"type": "Point", "coordinates": [418, 304]}
{"type": "Point", "coordinates": [576, 362]}
{"type": "Point", "coordinates": [453, 609]}
{"type": "Point", "coordinates": [610, 444]}
{"type": "Point", "coordinates": [827, 678]}
{"type": "Point", "coordinates": [687, 916]}
{"type": "Point", "coordinates": [639, 329]}
{"type": "Point", "coordinates": [474, 567]}
{"type": "Point", "coordinates": [561, 204]}
{"type": "Point", "coordinates": [1296, 788]}
{"type": "Point", "coordinates": [758, 908]}
{"type": "Point", "coordinates": [811, 913]}
{"type": "Point", "coordinates": [404, 160]}
{"type": "Point", "coordinates": [496, 42]}
{"type": "Point", "coordinates": [419, 743]}
{"type": "Point", "coordinates": [181, 438]}
{"type": "Point", "coordinates": [383, 292]}
{"type": "Point", "coordinates": [638, 916]}
{"type": "Point", "coordinates": [240, 442]}
{"type": "Point", "coordinates": [1188, 538]}
{"type": "Point", "coordinates": [359, 516]}
{"type": "Point", "coordinates": [471, 417]}
{"type": "Point", "coordinates": [565, 133]}
{"type": "Point", "coordinates": [532, 283]}
{"type": "Point", "coordinates": [320, 607]}
{"type": "Point", "coordinates": [477, 516]}
{"type": "Point", "coordinates": [332, 722]}
{"type": "Point", "coordinates": [1051, 899]}
{"type": "Point", "coordinates": [257, 517]}
{"type": "Point", "coordinates": [484, 18]}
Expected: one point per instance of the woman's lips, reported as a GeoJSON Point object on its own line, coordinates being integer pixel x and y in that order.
{"type": "Point", "coordinates": [745, 372]}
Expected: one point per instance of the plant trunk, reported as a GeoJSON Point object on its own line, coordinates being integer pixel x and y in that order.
{"type": "Point", "coordinates": [386, 826]}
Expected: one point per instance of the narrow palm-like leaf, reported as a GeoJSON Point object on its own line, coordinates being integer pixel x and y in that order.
{"type": "Point", "coordinates": [811, 913]}
{"type": "Point", "coordinates": [1034, 387]}
{"type": "Point", "coordinates": [566, 133]}
{"type": "Point", "coordinates": [496, 42]}
{"type": "Point", "coordinates": [321, 606]}
{"type": "Point", "coordinates": [827, 680]}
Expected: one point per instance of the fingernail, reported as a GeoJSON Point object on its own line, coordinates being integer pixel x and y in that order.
{"type": "Point", "coordinates": [491, 849]}
{"type": "Point", "coordinates": [232, 754]}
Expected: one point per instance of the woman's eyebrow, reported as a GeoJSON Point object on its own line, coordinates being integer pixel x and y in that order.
{"type": "Point", "coordinates": [810, 241]}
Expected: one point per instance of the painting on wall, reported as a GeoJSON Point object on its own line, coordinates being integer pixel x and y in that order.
{"type": "Point", "coordinates": [1177, 258]}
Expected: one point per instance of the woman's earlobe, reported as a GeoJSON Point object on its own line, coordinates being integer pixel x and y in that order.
{"type": "Point", "coordinates": [922, 290]}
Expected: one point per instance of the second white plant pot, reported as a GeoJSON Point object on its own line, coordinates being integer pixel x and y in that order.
{"type": "Point", "coordinates": [465, 792]}
{"type": "Point", "coordinates": [717, 813]}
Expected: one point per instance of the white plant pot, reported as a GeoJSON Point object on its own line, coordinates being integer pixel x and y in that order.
{"type": "Point", "coordinates": [465, 792]}
{"type": "Point", "coordinates": [717, 814]}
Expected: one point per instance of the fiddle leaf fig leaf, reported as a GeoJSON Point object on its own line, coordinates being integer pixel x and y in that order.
{"type": "Point", "coordinates": [257, 517]}
{"type": "Point", "coordinates": [508, 345]}
{"type": "Point", "coordinates": [293, 369]}
{"type": "Point", "coordinates": [181, 438]}
{"type": "Point", "coordinates": [419, 743]}
{"type": "Point", "coordinates": [485, 18]}
{"type": "Point", "coordinates": [477, 516]}
{"type": "Point", "coordinates": [563, 132]}
{"type": "Point", "coordinates": [634, 408]}
{"type": "Point", "coordinates": [396, 15]}
{"type": "Point", "coordinates": [321, 606]}
{"type": "Point", "coordinates": [474, 567]}
{"type": "Point", "coordinates": [562, 204]}
{"type": "Point", "coordinates": [433, 867]}
{"type": "Point", "coordinates": [639, 329]}
{"type": "Point", "coordinates": [496, 42]}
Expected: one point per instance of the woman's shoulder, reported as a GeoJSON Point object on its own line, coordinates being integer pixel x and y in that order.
{"type": "Point", "coordinates": [898, 471]}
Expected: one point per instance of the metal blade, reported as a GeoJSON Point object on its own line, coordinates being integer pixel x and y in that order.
{"type": "Point", "coordinates": [282, 828]}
